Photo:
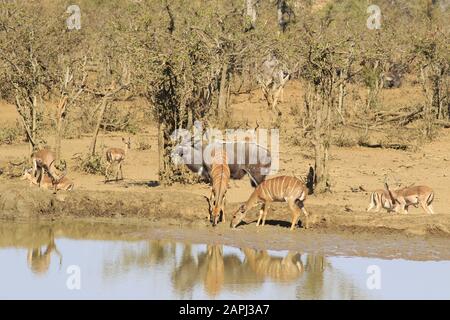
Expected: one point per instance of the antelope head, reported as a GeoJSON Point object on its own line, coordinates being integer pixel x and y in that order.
{"type": "Point", "coordinates": [127, 142]}
{"type": "Point", "coordinates": [238, 215]}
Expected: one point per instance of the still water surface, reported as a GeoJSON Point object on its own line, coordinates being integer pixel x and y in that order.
{"type": "Point", "coordinates": [41, 261]}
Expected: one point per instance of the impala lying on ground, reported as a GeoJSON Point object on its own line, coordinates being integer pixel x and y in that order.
{"type": "Point", "coordinates": [44, 162]}
{"type": "Point", "coordinates": [220, 174]}
{"type": "Point", "coordinates": [399, 200]}
{"type": "Point", "coordinates": [117, 156]}
{"type": "Point", "coordinates": [278, 189]}
{"type": "Point", "coordinates": [46, 182]}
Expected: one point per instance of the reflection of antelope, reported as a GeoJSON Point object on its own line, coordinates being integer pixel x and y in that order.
{"type": "Point", "coordinates": [415, 195]}
{"type": "Point", "coordinates": [39, 260]}
{"type": "Point", "coordinates": [287, 268]}
{"type": "Point", "coordinates": [278, 189]}
{"type": "Point", "coordinates": [214, 276]}
{"type": "Point", "coordinates": [44, 162]}
{"type": "Point", "coordinates": [117, 156]}
{"type": "Point", "coordinates": [46, 181]}
{"type": "Point", "coordinates": [220, 174]}
{"type": "Point", "coordinates": [214, 270]}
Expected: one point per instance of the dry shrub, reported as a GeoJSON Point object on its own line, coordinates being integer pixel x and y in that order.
{"type": "Point", "coordinates": [143, 143]}
{"type": "Point", "coordinates": [15, 168]}
{"type": "Point", "coordinates": [10, 134]}
{"type": "Point", "coordinates": [117, 118]}
{"type": "Point", "coordinates": [344, 140]}
{"type": "Point", "coordinates": [91, 164]}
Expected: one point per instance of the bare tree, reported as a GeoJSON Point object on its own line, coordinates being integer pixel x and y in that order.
{"type": "Point", "coordinates": [71, 87]}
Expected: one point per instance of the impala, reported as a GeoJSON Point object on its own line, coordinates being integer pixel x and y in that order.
{"type": "Point", "coordinates": [380, 198]}
{"type": "Point", "coordinates": [46, 182]}
{"type": "Point", "coordinates": [117, 156]}
{"type": "Point", "coordinates": [44, 162]}
{"type": "Point", "coordinates": [415, 195]}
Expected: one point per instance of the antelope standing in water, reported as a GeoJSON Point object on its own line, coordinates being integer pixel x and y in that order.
{"type": "Point", "coordinates": [220, 174]}
{"type": "Point", "coordinates": [44, 162]}
{"type": "Point", "coordinates": [278, 189]}
{"type": "Point", "coordinates": [117, 156]}
{"type": "Point", "coordinates": [46, 182]}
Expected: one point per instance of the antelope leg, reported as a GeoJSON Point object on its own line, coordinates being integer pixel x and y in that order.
{"type": "Point", "coordinates": [265, 209]}
{"type": "Point", "coordinates": [261, 212]}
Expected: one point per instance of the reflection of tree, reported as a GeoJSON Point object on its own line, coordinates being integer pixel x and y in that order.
{"type": "Point", "coordinates": [322, 281]}
{"type": "Point", "coordinates": [185, 274]}
{"type": "Point", "coordinates": [154, 252]}
{"type": "Point", "coordinates": [313, 283]}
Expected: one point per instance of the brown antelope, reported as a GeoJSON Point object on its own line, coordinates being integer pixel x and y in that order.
{"type": "Point", "coordinates": [380, 199]}
{"type": "Point", "coordinates": [39, 260]}
{"type": "Point", "coordinates": [278, 189]}
{"type": "Point", "coordinates": [117, 156]}
{"type": "Point", "coordinates": [46, 182]}
{"type": "Point", "coordinates": [415, 195]}
{"type": "Point", "coordinates": [220, 174]}
{"type": "Point", "coordinates": [44, 162]}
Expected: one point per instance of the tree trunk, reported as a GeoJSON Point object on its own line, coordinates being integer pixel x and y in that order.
{"type": "Point", "coordinates": [161, 162]}
{"type": "Point", "coordinates": [59, 126]}
{"type": "Point", "coordinates": [58, 138]}
{"type": "Point", "coordinates": [341, 101]}
{"type": "Point", "coordinates": [33, 124]}
{"type": "Point", "coordinates": [321, 145]}
{"type": "Point", "coordinates": [281, 8]}
{"type": "Point", "coordinates": [223, 90]}
{"type": "Point", "coordinates": [251, 11]}
{"type": "Point", "coordinates": [97, 127]}
{"type": "Point", "coordinates": [190, 118]}
{"type": "Point", "coordinates": [436, 92]}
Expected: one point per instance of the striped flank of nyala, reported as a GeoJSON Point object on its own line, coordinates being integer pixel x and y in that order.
{"type": "Point", "coordinates": [279, 189]}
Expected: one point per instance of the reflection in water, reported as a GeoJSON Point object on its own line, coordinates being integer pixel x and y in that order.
{"type": "Point", "coordinates": [38, 258]}
{"type": "Point", "coordinates": [162, 269]}
{"type": "Point", "coordinates": [215, 270]}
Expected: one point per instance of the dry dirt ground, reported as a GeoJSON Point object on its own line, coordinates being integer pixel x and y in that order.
{"type": "Point", "coordinates": [139, 199]}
